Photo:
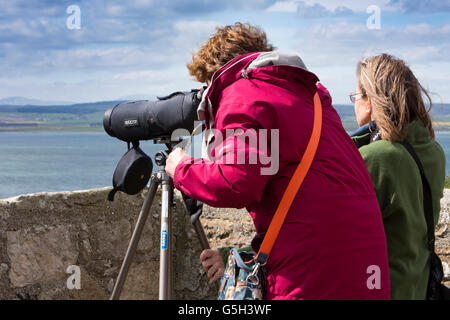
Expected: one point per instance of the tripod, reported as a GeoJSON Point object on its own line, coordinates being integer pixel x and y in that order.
{"type": "Point", "coordinates": [195, 209]}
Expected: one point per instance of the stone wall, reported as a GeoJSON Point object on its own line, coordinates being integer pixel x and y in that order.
{"type": "Point", "coordinates": [41, 235]}
{"type": "Point", "coordinates": [442, 233]}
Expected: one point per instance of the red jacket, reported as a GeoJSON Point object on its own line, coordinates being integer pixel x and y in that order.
{"type": "Point", "coordinates": [333, 235]}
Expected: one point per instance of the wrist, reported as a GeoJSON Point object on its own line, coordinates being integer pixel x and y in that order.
{"type": "Point", "coordinates": [186, 159]}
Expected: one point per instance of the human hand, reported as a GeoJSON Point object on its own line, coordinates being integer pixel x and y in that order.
{"type": "Point", "coordinates": [175, 157]}
{"type": "Point", "coordinates": [212, 263]}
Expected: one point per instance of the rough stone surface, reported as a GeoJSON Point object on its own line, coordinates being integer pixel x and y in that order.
{"type": "Point", "coordinates": [443, 236]}
{"type": "Point", "coordinates": [40, 254]}
{"type": "Point", "coordinates": [43, 234]}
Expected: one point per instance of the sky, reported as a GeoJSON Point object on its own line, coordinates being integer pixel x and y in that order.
{"type": "Point", "coordinates": [98, 50]}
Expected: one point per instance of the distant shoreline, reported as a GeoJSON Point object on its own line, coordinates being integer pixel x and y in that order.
{"type": "Point", "coordinates": [51, 129]}
{"type": "Point", "coordinates": [99, 128]}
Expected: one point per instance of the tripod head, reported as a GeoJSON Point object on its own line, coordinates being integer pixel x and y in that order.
{"type": "Point", "coordinates": [161, 156]}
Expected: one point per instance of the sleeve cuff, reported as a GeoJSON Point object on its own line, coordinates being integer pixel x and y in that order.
{"type": "Point", "coordinates": [186, 160]}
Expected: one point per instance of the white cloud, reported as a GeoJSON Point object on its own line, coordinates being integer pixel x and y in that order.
{"type": "Point", "coordinates": [284, 6]}
{"type": "Point", "coordinates": [333, 50]}
{"type": "Point", "coordinates": [101, 73]}
{"type": "Point", "coordinates": [115, 10]}
{"type": "Point", "coordinates": [293, 6]}
{"type": "Point", "coordinates": [422, 6]}
{"type": "Point", "coordinates": [345, 40]}
{"type": "Point", "coordinates": [142, 75]}
{"type": "Point", "coordinates": [357, 6]}
{"type": "Point", "coordinates": [144, 46]}
{"type": "Point", "coordinates": [142, 3]}
{"type": "Point", "coordinates": [188, 36]}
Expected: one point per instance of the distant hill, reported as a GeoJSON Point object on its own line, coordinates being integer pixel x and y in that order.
{"type": "Point", "coordinates": [90, 115]}
{"type": "Point", "coordinates": [440, 114]}
{"type": "Point", "coordinates": [80, 108]}
{"type": "Point", "coordinates": [21, 101]}
{"type": "Point", "coordinates": [437, 110]}
{"type": "Point", "coordinates": [345, 110]}
{"type": "Point", "coordinates": [80, 116]}
{"type": "Point", "coordinates": [440, 109]}
{"type": "Point", "coordinates": [135, 97]}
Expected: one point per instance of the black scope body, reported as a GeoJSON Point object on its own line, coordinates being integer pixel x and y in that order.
{"type": "Point", "coordinates": [146, 120]}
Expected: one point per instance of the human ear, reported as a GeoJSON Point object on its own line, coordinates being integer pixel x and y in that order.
{"type": "Point", "coordinates": [369, 105]}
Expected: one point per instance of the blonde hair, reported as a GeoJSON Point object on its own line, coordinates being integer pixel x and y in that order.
{"type": "Point", "coordinates": [226, 44]}
{"type": "Point", "coordinates": [395, 95]}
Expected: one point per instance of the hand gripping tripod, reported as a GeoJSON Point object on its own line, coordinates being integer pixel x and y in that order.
{"type": "Point", "coordinates": [195, 209]}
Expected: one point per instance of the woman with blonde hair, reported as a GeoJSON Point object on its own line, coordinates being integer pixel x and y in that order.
{"type": "Point", "coordinates": [390, 96]}
{"type": "Point", "coordinates": [331, 244]}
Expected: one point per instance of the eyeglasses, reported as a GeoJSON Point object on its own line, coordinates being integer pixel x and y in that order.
{"type": "Point", "coordinates": [352, 96]}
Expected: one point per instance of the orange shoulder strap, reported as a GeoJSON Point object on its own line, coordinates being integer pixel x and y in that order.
{"type": "Point", "coordinates": [293, 186]}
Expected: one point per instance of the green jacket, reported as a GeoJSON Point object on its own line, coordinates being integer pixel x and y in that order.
{"type": "Point", "coordinates": [398, 186]}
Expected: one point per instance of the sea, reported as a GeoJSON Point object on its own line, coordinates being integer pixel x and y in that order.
{"type": "Point", "coordinates": [32, 162]}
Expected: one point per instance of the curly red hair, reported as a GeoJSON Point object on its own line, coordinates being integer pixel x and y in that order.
{"type": "Point", "coordinates": [226, 44]}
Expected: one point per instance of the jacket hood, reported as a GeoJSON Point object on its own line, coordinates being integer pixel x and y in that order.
{"type": "Point", "coordinates": [265, 64]}
{"type": "Point", "coordinates": [276, 58]}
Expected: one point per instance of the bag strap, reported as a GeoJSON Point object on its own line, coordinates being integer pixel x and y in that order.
{"type": "Point", "coordinates": [293, 186]}
{"type": "Point", "coordinates": [427, 198]}
{"type": "Point", "coordinates": [435, 290]}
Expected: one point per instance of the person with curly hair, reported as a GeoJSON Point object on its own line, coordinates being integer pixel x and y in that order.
{"type": "Point", "coordinates": [226, 44]}
{"type": "Point", "coordinates": [332, 243]}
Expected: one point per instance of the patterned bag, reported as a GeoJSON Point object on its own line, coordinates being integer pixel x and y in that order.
{"type": "Point", "coordinates": [244, 277]}
{"type": "Point", "coordinates": [241, 280]}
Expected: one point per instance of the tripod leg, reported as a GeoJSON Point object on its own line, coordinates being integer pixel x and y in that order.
{"type": "Point", "coordinates": [135, 238]}
{"type": "Point", "coordinates": [195, 209]}
{"type": "Point", "coordinates": [201, 234]}
{"type": "Point", "coordinates": [165, 276]}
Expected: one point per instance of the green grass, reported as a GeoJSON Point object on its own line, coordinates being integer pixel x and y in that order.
{"type": "Point", "coordinates": [53, 122]}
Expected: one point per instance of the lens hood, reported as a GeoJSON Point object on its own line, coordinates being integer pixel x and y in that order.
{"type": "Point", "coordinates": [132, 172]}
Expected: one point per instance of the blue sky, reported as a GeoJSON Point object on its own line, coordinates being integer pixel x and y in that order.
{"type": "Point", "coordinates": [141, 47]}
